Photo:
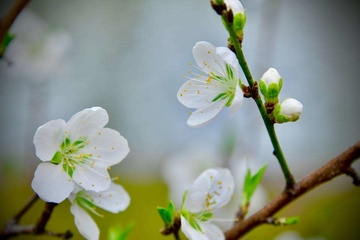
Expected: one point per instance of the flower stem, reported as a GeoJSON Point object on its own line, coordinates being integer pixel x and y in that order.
{"type": "Point", "coordinates": [267, 121]}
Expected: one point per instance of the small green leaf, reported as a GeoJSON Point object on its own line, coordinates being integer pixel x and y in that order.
{"type": "Point", "coordinates": [5, 43]}
{"type": "Point", "coordinates": [251, 183]}
{"type": "Point", "coordinates": [171, 211]}
{"type": "Point", "coordinates": [290, 220]}
{"type": "Point", "coordinates": [120, 233]}
{"type": "Point", "coordinates": [184, 198]}
{"type": "Point", "coordinates": [165, 215]}
{"type": "Point", "coordinates": [284, 221]}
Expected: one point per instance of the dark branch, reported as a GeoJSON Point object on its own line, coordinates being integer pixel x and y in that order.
{"type": "Point", "coordinates": [336, 167]}
{"type": "Point", "coordinates": [13, 229]}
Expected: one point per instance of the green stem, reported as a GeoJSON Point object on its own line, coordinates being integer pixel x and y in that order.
{"type": "Point", "coordinates": [259, 103]}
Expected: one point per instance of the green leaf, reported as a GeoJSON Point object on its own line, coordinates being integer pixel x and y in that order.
{"type": "Point", "coordinates": [5, 42]}
{"type": "Point", "coordinates": [165, 215]}
{"type": "Point", "coordinates": [290, 220]}
{"type": "Point", "coordinates": [120, 233]}
{"type": "Point", "coordinates": [171, 211]}
{"type": "Point", "coordinates": [251, 183]}
{"type": "Point", "coordinates": [184, 198]}
{"type": "Point", "coordinates": [284, 221]}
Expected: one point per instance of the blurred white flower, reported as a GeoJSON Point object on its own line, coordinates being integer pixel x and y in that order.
{"type": "Point", "coordinates": [184, 167]}
{"type": "Point", "coordinates": [219, 87]}
{"type": "Point", "coordinates": [211, 191]}
{"type": "Point", "coordinates": [80, 151]}
{"type": "Point", "coordinates": [239, 165]}
{"type": "Point", "coordinates": [37, 52]}
{"type": "Point", "coordinates": [114, 200]}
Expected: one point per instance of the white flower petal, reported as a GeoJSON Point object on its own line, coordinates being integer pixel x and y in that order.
{"type": "Point", "coordinates": [291, 108]}
{"type": "Point", "coordinates": [92, 177]}
{"type": "Point", "coordinates": [86, 122]}
{"type": "Point", "coordinates": [47, 139]}
{"type": "Point", "coordinates": [230, 58]}
{"type": "Point", "coordinates": [84, 223]}
{"type": "Point", "coordinates": [271, 76]}
{"type": "Point", "coordinates": [202, 116]}
{"type": "Point", "coordinates": [190, 232]}
{"type": "Point", "coordinates": [212, 231]}
{"type": "Point", "coordinates": [197, 94]}
{"type": "Point", "coordinates": [235, 6]}
{"type": "Point", "coordinates": [237, 101]}
{"type": "Point", "coordinates": [52, 183]}
{"type": "Point", "coordinates": [195, 200]}
{"type": "Point", "coordinates": [207, 59]}
{"type": "Point", "coordinates": [108, 147]}
{"type": "Point", "coordinates": [114, 200]}
{"type": "Point", "coordinates": [222, 187]}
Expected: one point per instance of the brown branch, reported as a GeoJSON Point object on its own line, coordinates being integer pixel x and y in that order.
{"type": "Point", "coordinates": [8, 20]}
{"type": "Point", "coordinates": [336, 167]}
{"type": "Point", "coordinates": [13, 229]}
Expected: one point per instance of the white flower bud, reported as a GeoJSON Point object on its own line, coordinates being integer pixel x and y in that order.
{"type": "Point", "coordinates": [288, 111]}
{"type": "Point", "coordinates": [235, 6]}
{"type": "Point", "coordinates": [270, 85]}
{"type": "Point", "coordinates": [239, 14]}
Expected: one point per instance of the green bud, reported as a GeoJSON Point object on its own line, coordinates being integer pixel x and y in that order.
{"type": "Point", "coordinates": [270, 85]}
{"type": "Point", "coordinates": [288, 111]}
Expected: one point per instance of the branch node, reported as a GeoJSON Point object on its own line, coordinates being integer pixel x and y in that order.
{"type": "Point", "coordinates": [353, 174]}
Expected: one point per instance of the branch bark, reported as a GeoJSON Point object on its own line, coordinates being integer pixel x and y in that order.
{"type": "Point", "coordinates": [336, 167]}
{"type": "Point", "coordinates": [13, 228]}
{"type": "Point", "coordinates": [8, 20]}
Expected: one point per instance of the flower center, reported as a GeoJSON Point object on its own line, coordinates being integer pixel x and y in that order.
{"type": "Point", "coordinates": [69, 155]}
{"type": "Point", "coordinates": [195, 218]}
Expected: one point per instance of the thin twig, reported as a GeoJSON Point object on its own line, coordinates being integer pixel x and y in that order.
{"type": "Point", "coordinates": [13, 229]}
{"type": "Point", "coordinates": [336, 167]}
{"type": "Point", "coordinates": [28, 205]}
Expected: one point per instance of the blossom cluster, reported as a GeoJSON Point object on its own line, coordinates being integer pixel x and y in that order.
{"type": "Point", "coordinates": [76, 157]}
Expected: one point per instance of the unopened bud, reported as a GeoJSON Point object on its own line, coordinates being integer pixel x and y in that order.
{"type": "Point", "coordinates": [270, 85]}
{"type": "Point", "coordinates": [288, 111]}
{"type": "Point", "coordinates": [239, 16]}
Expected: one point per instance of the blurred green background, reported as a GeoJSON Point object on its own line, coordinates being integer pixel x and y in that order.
{"type": "Point", "coordinates": [128, 57]}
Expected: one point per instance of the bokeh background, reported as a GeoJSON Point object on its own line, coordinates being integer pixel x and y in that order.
{"type": "Point", "coordinates": [128, 57]}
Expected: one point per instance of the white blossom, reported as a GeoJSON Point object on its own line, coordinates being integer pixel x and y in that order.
{"type": "Point", "coordinates": [78, 151]}
{"type": "Point", "coordinates": [218, 86]}
{"type": "Point", "coordinates": [211, 191]}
